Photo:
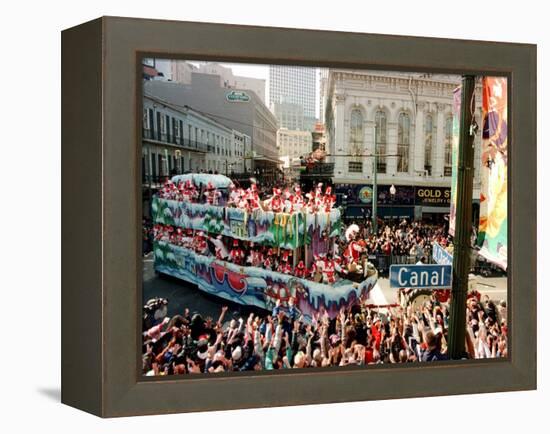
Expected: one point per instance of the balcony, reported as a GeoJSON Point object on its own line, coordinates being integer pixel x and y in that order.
{"type": "Point", "coordinates": [166, 139]}
{"type": "Point", "coordinates": [319, 169]}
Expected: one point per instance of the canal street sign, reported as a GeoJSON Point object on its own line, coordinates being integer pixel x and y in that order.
{"type": "Point", "coordinates": [421, 276]}
{"type": "Point", "coordinates": [441, 256]}
{"type": "Point", "coordinates": [237, 96]}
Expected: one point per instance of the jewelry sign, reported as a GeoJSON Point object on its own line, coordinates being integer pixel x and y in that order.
{"type": "Point", "coordinates": [433, 196]}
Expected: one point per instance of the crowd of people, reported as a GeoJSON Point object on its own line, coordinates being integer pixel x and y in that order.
{"type": "Point", "coordinates": [404, 238]}
{"type": "Point", "coordinates": [360, 335]}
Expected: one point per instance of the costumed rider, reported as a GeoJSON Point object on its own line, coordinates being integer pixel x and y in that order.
{"type": "Point", "coordinates": [201, 246]}
{"type": "Point", "coordinates": [353, 251]}
{"type": "Point", "coordinates": [252, 196]}
{"type": "Point", "coordinates": [236, 254]}
{"type": "Point", "coordinates": [301, 270]}
{"type": "Point", "coordinates": [212, 194]}
{"type": "Point", "coordinates": [328, 272]}
{"type": "Point", "coordinates": [275, 203]}
{"type": "Point", "coordinates": [219, 248]}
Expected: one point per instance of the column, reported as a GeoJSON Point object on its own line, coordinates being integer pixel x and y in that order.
{"type": "Point", "coordinates": [391, 149]}
{"type": "Point", "coordinates": [419, 139]}
{"type": "Point", "coordinates": [438, 151]}
{"type": "Point", "coordinates": [369, 148]}
{"type": "Point", "coordinates": [339, 137]}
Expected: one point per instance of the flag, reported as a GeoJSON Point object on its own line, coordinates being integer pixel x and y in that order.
{"type": "Point", "coordinates": [493, 202]}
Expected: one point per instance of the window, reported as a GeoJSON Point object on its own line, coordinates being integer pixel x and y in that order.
{"type": "Point", "coordinates": [146, 119]}
{"type": "Point", "coordinates": [428, 144]}
{"type": "Point", "coordinates": [160, 122]}
{"type": "Point", "coordinates": [165, 124]}
{"type": "Point", "coordinates": [355, 167]}
{"type": "Point", "coordinates": [356, 132]}
{"type": "Point", "coordinates": [448, 147]}
{"type": "Point", "coordinates": [154, 172]}
{"type": "Point", "coordinates": [175, 129]}
{"type": "Point", "coordinates": [403, 140]}
{"type": "Point", "coordinates": [381, 134]}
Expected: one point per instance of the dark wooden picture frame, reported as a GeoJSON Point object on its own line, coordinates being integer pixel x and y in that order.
{"type": "Point", "coordinates": [101, 215]}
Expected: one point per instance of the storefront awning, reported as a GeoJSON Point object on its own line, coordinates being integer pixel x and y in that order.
{"type": "Point", "coordinates": [435, 209]}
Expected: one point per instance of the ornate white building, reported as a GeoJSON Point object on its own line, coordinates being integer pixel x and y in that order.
{"type": "Point", "coordinates": [413, 117]}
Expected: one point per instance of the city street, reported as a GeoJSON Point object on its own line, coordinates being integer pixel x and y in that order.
{"type": "Point", "coordinates": [183, 295]}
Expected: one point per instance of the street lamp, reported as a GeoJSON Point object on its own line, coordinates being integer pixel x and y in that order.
{"type": "Point", "coordinates": [392, 194]}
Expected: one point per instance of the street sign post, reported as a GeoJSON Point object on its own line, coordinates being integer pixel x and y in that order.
{"type": "Point", "coordinates": [421, 276]}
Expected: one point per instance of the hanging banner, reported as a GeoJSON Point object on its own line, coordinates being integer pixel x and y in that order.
{"type": "Point", "coordinates": [457, 94]}
{"type": "Point", "coordinates": [493, 202]}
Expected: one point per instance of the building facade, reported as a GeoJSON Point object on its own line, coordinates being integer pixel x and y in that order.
{"type": "Point", "coordinates": [290, 116]}
{"type": "Point", "coordinates": [294, 85]}
{"type": "Point", "coordinates": [178, 140]}
{"type": "Point", "coordinates": [293, 144]}
{"type": "Point", "coordinates": [409, 117]}
{"type": "Point", "coordinates": [238, 110]}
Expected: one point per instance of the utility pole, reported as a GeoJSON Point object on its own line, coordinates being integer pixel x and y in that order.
{"type": "Point", "coordinates": [463, 221]}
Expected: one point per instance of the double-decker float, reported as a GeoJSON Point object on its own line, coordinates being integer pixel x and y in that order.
{"type": "Point", "coordinates": [280, 250]}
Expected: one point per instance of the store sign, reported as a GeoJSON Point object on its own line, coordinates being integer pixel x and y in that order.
{"type": "Point", "coordinates": [433, 196]}
{"type": "Point", "coordinates": [421, 276]}
{"type": "Point", "coordinates": [237, 96]}
{"type": "Point", "coordinates": [365, 194]}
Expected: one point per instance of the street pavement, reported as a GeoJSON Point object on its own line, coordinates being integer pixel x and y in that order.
{"type": "Point", "coordinates": [182, 295]}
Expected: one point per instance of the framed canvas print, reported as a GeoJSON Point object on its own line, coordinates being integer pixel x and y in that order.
{"type": "Point", "coordinates": [259, 217]}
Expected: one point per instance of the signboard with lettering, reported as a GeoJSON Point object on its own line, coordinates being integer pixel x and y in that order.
{"type": "Point", "coordinates": [433, 196]}
{"type": "Point", "coordinates": [237, 96]}
{"type": "Point", "coordinates": [441, 256]}
{"type": "Point", "coordinates": [421, 276]}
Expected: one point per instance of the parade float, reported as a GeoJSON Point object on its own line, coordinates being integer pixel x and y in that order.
{"type": "Point", "coordinates": [277, 251]}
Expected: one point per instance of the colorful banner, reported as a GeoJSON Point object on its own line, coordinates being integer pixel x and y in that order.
{"type": "Point", "coordinates": [493, 203]}
{"type": "Point", "coordinates": [457, 94]}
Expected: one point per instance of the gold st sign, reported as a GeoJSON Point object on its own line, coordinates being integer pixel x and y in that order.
{"type": "Point", "coordinates": [433, 196]}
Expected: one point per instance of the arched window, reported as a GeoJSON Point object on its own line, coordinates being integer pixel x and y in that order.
{"type": "Point", "coordinates": [356, 140]}
{"type": "Point", "coordinates": [428, 143]}
{"type": "Point", "coordinates": [356, 132]}
{"type": "Point", "coordinates": [448, 147]}
{"type": "Point", "coordinates": [381, 134]}
{"type": "Point", "coordinates": [403, 141]}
